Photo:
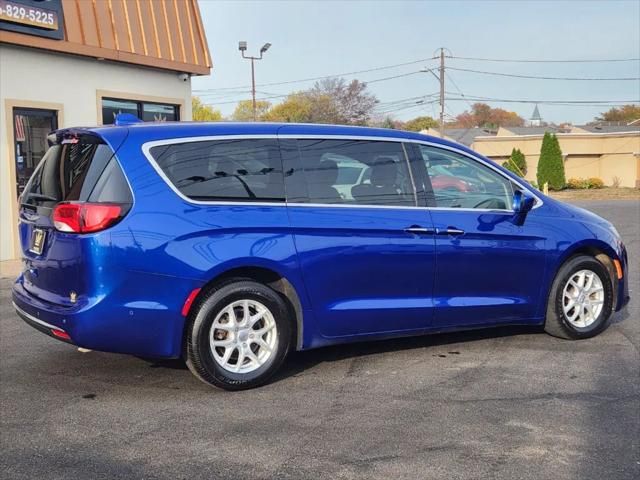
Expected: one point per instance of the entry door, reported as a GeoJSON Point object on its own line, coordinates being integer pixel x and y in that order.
{"type": "Point", "coordinates": [30, 129]}
{"type": "Point", "coordinates": [489, 265]}
{"type": "Point", "coordinates": [365, 250]}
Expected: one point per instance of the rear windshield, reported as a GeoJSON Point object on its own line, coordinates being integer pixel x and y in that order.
{"type": "Point", "coordinates": [82, 171]}
{"type": "Point", "coordinates": [243, 169]}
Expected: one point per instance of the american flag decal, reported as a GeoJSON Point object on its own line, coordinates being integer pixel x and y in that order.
{"type": "Point", "coordinates": [20, 128]}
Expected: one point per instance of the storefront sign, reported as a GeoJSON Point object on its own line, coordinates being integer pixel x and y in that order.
{"type": "Point", "coordinates": [33, 17]}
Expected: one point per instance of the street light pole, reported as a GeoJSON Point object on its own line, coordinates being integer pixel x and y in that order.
{"type": "Point", "coordinates": [242, 46]}
{"type": "Point", "coordinates": [253, 87]}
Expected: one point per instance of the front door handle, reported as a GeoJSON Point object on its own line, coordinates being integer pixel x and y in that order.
{"type": "Point", "coordinates": [449, 231]}
{"type": "Point", "coordinates": [417, 230]}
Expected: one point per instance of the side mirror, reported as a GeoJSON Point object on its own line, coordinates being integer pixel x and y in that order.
{"type": "Point", "coordinates": [522, 202]}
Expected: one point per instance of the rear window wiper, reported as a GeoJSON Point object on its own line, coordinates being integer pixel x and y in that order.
{"type": "Point", "coordinates": [39, 196]}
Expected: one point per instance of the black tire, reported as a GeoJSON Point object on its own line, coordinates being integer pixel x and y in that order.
{"type": "Point", "coordinates": [199, 357]}
{"type": "Point", "coordinates": [556, 322]}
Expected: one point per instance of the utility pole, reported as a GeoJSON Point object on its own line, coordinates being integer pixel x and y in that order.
{"type": "Point", "coordinates": [441, 92]}
{"type": "Point", "coordinates": [242, 46]}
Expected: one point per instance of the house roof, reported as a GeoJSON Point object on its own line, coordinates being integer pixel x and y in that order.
{"type": "Point", "coordinates": [608, 128]}
{"type": "Point", "coordinates": [531, 130]}
{"type": "Point", "coordinates": [465, 136]}
{"type": "Point", "coordinates": [160, 34]}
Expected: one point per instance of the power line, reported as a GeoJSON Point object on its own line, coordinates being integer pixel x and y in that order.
{"type": "Point", "coordinates": [404, 100]}
{"type": "Point", "coordinates": [506, 60]}
{"type": "Point", "coordinates": [287, 94]}
{"type": "Point", "coordinates": [546, 102]}
{"type": "Point", "coordinates": [238, 100]}
{"type": "Point", "coordinates": [311, 79]}
{"type": "Point", "coordinates": [406, 107]}
{"type": "Point", "coordinates": [458, 88]}
{"type": "Point", "coordinates": [513, 75]}
{"type": "Point", "coordinates": [366, 82]}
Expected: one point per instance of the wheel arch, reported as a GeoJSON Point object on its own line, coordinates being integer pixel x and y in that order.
{"type": "Point", "coordinates": [267, 276]}
{"type": "Point", "coordinates": [597, 249]}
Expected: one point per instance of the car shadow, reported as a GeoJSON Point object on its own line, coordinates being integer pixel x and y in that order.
{"type": "Point", "coordinates": [298, 362]}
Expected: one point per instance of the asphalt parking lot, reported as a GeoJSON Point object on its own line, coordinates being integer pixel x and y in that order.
{"type": "Point", "coordinates": [500, 404]}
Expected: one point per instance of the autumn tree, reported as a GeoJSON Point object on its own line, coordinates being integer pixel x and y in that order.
{"type": "Point", "coordinates": [204, 113]}
{"type": "Point", "coordinates": [244, 110]}
{"type": "Point", "coordinates": [625, 113]}
{"type": "Point", "coordinates": [482, 115]}
{"type": "Point", "coordinates": [334, 100]}
{"type": "Point", "coordinates": [420, 123]}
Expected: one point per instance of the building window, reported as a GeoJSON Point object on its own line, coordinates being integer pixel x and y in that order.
{"type": "Point", "coordinates": [145, 111]}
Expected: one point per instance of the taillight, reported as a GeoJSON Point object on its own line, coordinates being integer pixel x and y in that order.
{"type": "Point", "coordinates": [85, 217]}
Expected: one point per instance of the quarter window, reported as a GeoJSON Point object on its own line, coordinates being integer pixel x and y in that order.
{"type": "Point", "coordinates": [355, 172]}
{"type": "Point", "coordinates": [243, 170]}
{"type": "Point", "coordinates": [460, 182]}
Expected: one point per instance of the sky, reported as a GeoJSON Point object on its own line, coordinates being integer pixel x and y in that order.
{"type": "Point", "coordinates": [318, 38]}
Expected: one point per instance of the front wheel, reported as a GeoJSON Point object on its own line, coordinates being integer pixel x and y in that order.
{"type": "Point", "coordinates": [581, 299]}
{"type": "Point", "coordinates": [240, 336]}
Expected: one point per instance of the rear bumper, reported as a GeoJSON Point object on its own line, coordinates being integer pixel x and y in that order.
{"type": "Point", "coordinates": [125, 320]}
{"type": "Point", "coordinates": [42, 326]}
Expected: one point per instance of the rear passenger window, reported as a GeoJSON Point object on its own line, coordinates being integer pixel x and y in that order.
{"type": "Point", "coordinates": [357, 172]}
{"type": "Point", "coordinates": [242, 170]}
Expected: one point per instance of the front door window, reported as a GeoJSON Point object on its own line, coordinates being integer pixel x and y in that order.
{"type": "Point", "coordinates": [30, 129]}
{"type": "Point", "coordinates": [460, 182]}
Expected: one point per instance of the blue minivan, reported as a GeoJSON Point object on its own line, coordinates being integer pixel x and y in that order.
{"type": "Point", "coordinates": [231, 244]}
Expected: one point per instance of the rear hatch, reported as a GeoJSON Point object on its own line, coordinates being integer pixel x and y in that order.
{"type": "Point", "coordinates": [77, 191]}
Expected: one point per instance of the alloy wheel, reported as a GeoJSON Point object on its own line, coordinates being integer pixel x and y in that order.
{"type": "Point", "coordinates": [583, 298]}
{"type": "Point", "coordinates": [243, 336]}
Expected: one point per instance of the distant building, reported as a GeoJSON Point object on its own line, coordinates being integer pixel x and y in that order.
{"type": "Point", "coordinates": [67, 63]}
{"type": "Point", "coordinates": [465, 136]}
{"type": "Point", "coordinates": [536, 119]}
{"type": "Point", "coordinates": [604, 151]}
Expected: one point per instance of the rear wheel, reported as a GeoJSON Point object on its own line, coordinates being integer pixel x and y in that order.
{"type": "Point", "coordinates": [240, 335]}
{"type": "Point", "coordinates": [581, 299]}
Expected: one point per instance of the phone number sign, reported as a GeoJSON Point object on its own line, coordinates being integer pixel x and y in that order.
{"type": "Point", "coordinates": [31, 17]}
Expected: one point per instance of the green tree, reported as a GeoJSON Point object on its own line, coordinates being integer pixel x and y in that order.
{"type": "Point", "coordinates": [625, 113]}
{"type": "Point", "coordinates": [420, 123]}
{"type": "Point", "coordinates": [389, 123]}
{"type": "Point", "coordinates": [244, 110]}
{"type": "Point", "coordinates": [517, 163]}
{"type": "Point", "coordinates": [551, 165]}
{"type": "Point", "coordinates": [204, 113]}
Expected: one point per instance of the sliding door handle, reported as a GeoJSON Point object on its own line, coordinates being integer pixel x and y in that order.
{"type": "Point", "coordinates": [449, 231]}
{"type": "Point", "coordinates": [419, 230]}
